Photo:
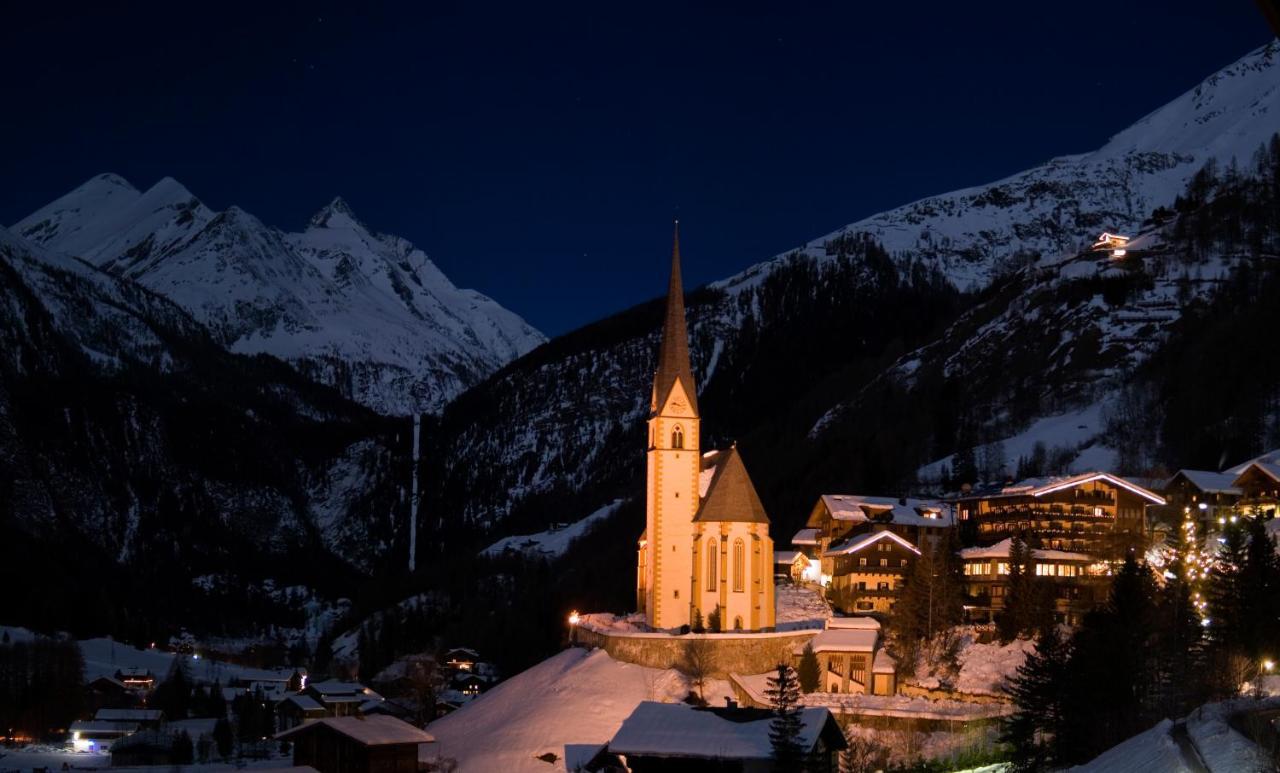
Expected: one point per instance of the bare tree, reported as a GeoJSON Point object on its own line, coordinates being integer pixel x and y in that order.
{"type": "Point", "coordinates": [698, 663]}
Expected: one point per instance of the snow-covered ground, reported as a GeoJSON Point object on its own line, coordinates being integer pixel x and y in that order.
{"type": "Point", "coordinates": [983, 668]}
{"type": "Point", "coordinates": [54, 757]}
{"type": "Point", "coordinates": [797, 607]}
{"type": "Point", "coordinates": [1154, 751]}
{"type": "Point", "coordinates": [554, 542]}
{"type": "Point", "coordinates": [568, 706]}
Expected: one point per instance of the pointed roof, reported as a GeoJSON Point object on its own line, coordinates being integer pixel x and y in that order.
{"type": "Point", "coordinates": [731, 495]}
{"type": "Point", "coordinates": [673, 354]}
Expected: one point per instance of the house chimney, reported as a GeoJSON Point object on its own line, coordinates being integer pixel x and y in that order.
{"type": "Point", "coordinates": [730, 703]}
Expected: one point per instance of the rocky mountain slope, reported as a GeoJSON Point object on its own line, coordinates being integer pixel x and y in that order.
{"type": "Point", "coordinates": [783, 349]}
{"type": "Point", "coordinates": [366, 313]}
{"type": "Point", "coordinates": [131, 440]}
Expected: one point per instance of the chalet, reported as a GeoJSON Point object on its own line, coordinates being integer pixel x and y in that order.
{"type": "Point", "coordinates": [461, 659]}
{"type": "Point", "coordinates": [789, 565]}
{"type": "Point", "coordinates": [1096, 513]}
{"type": "Point", "coordinates": [376, 744]}
{"type": "Point", "coordinates": [836, 517]}
{"type": "Point", "coordinates": [139, 679]}
{"type": "Point", "coordinates": [867, 570]}
{"type": "Point", "coordinates": [1204, 495]}
{"type": "Point", "coordinates": [341, 699]}
{"type": "Point", "coordinates": [293, 710]}
{"type": "Point", "coordinates": [806, 541]}
{"type": "Point", "coordinates": [1115, 244]}
{"type": "Point", "coordinates": [679, 737]}
{"type": "Point", "coordinates": [1080, 581]}
{"type": "Point", "coordinates": [147, 719]}
{"type": "Point", "coordinates": [107, 692]}
{"type": "Point", "coordinates": [97, 735]}
{"type": "Point", "coordinates": [1259, 483]}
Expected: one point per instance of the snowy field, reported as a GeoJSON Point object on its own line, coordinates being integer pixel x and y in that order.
{"type": "Point", "coordinates": [103, 657]}
{"type": "Point", "coordinates": [798, 608]}
{"type": "Point", "coordinates": [983, 668]}
{"type": "Point", "coordinates": [554, 542]}
{"type": "Point", "coordinates": [53, 758]}
{"type": "Point", "coordinates": [568, 706]}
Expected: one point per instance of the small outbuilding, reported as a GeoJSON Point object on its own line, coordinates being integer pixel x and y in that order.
{"type": "Point", "coordinates": [353, 744]}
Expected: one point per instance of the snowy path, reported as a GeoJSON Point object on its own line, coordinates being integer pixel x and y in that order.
{"type": "Point", "coordinates": [1190, 754]}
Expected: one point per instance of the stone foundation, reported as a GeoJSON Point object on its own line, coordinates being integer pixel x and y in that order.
{"type": "Point", "coordinates": [743, 653]}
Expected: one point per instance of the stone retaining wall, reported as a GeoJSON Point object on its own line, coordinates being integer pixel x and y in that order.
{"type": "Point", "coordinates": [916, 691]}
{"type": "Point", "coordinates": [729, 653]}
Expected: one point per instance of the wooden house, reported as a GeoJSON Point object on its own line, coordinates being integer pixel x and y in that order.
{"type": "Point", "coordinates": [293, 710]}
{"type": "Point", "coordinates": [1114, 244]}
{"type": "Point", "coordinates": [376, 744]}
{"type": "Point", "coordinates": [1204, 495]}
{"type": "Point", "coordinates": [1080, 581]}
{"type": "Point", "coordinates": [1259, 483]}
{"type": "Point", "coordinates": [836, 517]}
{"type": "Point", "coordinates": [866, 571]}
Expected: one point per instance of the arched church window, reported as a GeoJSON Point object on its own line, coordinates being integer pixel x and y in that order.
{"type": "Point", "coordinates": [739, 565]}
{"type": "Point", "coordinates": [677, 437]}
{"type": "Point", "coordinates": [711, 564]}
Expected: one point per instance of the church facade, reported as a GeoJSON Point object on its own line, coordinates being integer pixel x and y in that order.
{"type": "Point", "coordinates": [705, 553]}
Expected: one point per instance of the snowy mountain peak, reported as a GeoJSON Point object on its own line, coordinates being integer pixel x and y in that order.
{"type": "Point", "coordinates": [367, 313]}
{"type": "Point", "coordinates": [337, 214]}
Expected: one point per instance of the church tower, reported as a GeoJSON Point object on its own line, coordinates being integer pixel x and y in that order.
{"type": "Point", "coordinates": [665, 563]}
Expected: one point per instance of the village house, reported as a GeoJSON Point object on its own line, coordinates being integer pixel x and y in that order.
{"type": "Point", "coordinates": [1080, 582]}
{"type": "Point", "coordinates": [293, 710]}
{"type": "Point", "coordinates": [677, 737]}
{"type": "Point", "coordinates": [1259, 483]}
{"type": "Point", "coordinates": [97, 735]}
{"type": "Point", "coordinates": [341, 699]}
{"type": "Point", "coordinates": [461, 659]}
{"type": "Point", "coordinates": [866, 572]}
{"type": "Point", "coordinates": [789, 565]}
{"type": "Point", "coordinates": [349, 744]}
{"type": "Point", "coordinates": [1114, 244]}
{"type": "Point", "coordinates": [1203, 495]}
{"type": "Point", "coordinates": [139, 679]}
{"type": "Point", "coordinates": [705, 552]}
{"type": "Point", "coordinates": [852, 658]}
{"type": "Point", "coordinates": [1096, 513]}
{"type": "Point", "coordinates": [147, 719]}
{"type": "Point", "coordinates": [107, 692]}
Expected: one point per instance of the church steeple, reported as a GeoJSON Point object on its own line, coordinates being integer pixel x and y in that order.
{"type": "Point", "coordinates": [673, 355]}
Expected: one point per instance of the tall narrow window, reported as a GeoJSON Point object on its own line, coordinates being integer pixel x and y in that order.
{"type": "Point", "coordinates": [711, 565]}
{"type": "Point", "coordinates": [739, 565]}
{"type": "Point", "coordinates": [677, 437]}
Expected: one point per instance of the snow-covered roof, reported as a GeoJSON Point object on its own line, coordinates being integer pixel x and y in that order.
{"type": "Point", "coordinates": [1208, 481]}
{"type": "Point", "coordinates": [786, 556]}
{"type": "Point", "coordinates": [376, 730]}
{"type": "Point", "coordinates": [854, 544]}
{"type": "Point", "coordinates": [129, 715]}
{"type": "Point", "coordinates": [845, 640]}
{"type": "Point", "coordinates": [335, 688]}
{"type": "Point", "coordinates": [1001, 550]}
{"type": "Point", "coordinates": [103, 726]}
{"type": "Point", "coordinates": [1037, 487]}
{"type": "Point", "coordinates": [909, 512]}
{"type": "Point", "coordinates": [193, 727]}
{"type": "Point", "coordinates": [680, 730]}
{"type": "Point", "coordinates": [1270, 457]}
{"type": "Point", "coordinates": [805, 537]}
{"type": "Point", "coordinates": [304, 702]}
{"type": "Point", "coordinates": [1270, 469]}
{"type": "Point", "coordinates": [884, 663]}
{"type": "Point", "coordinates": [862, 622]}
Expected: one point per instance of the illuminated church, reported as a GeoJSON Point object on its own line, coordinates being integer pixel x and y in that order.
{"type": "Point", "coordinates": [705, 552]}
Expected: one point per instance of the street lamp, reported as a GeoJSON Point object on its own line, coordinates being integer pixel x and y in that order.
{"type": "Point", "coordinates": [574, 617]}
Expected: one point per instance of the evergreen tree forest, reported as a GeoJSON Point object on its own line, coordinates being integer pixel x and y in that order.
{"type": "Point", "coordinates": [1150, 652]}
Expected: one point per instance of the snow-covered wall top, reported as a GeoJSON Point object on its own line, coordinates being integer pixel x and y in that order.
{"type": "Point", "coordinates": [368, 313]}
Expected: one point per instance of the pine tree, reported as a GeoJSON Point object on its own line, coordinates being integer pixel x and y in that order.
{"type": "Point", "coordinates": [809, 671]}
{"type": "Point", "coordinates": [784, 731]}
{"type": "Point", "coordinates": [1018, 597]}
{"type": "Point", "coordinates": [1259, 592]}
{"type": "Point", "coordinates": [1036, 695]}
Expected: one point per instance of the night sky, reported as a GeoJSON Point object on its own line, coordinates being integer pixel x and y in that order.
{"type": "Point", "coordinates": [538, 151]}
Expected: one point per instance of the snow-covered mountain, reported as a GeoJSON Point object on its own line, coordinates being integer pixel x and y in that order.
{"type": "Point", "coordinates": [806, 335]}
{"type": "Point", "coordinates": [974, 234]}
{"type": "Point", "coordinates": [365, 312]}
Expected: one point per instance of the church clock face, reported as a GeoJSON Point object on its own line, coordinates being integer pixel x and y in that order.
{"type": "Point", "coordinates": [677, 403]}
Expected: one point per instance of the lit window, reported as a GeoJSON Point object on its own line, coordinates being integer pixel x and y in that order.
{"type": "Point", "coordinates": [862, 562]}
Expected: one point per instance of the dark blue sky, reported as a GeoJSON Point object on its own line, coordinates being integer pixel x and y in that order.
{"type": "Point", "coordinates": [537, 151]}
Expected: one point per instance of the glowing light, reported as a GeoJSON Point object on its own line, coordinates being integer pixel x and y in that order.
{"type": "Point", "coordinates": [196, 656]}
{"type": "Point", "coordinates": [1202, 506]}
{"type": "Point", "coordinates": [1268, 664]}
{"type": "Point", "coordinates": [574, 617]}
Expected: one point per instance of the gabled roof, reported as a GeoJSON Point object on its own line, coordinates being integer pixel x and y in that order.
{"type": "Point", "coordinates": [1270, 457]}
{"type": "Point", "coordinates": [673, 353]}
{"type": "Point", "coordinates": [681, 731]}
{"type": "Point", "coordinates": [909, 512]}
{"type": "Point", "coordinates": [1269, 469]}
{"type": "Point", "coordinates": [846, 640]}
{"type": "Point", "coordinates": [805, 537]}
{"type": "Point", "coordinates": [731, 495]}
{"type": "Point", "coordinates": [858, 543]}
{"type": "Point", "coordinates": [1207, 481]}
{"type": "Point", "coordinates": [786, 556]}
{"type": "Point", "coordinates": [376, 730]}
{"type": "Point", "coordinates": [304, 702]}
{"type": "Point", "coordinates": [129, 715]}
{"type": "Point", "coordinates": [1037, 487]}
